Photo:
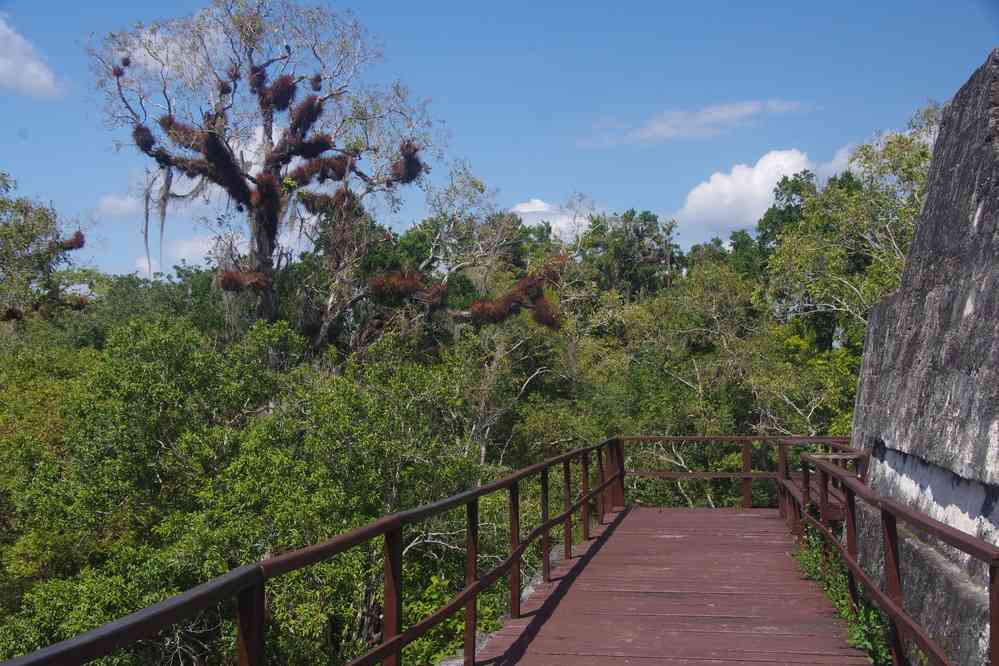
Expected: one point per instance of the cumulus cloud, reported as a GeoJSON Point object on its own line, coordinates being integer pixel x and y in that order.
{"type": "Point", "coordinates": [838, 164]}
{"type": "Point", "coordinates": [703, 122]}
{"type": "Point", "coordinates": [738, 198]}
{"type": "Point", "coordinates": [21, 68]}
{"type": "Point", "coordinates": [567, 220]}
{"type": "Point", "coordinates": [118, 205]}
{"type": "Point", "coordinates": [532, 206]}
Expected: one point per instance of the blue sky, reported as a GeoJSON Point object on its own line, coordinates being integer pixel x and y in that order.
{"type": "Point", "coordinates": [689, 109]}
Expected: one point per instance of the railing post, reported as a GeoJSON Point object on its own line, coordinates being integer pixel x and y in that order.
{"type": "Point", "coordinates": [993, 613]}
{"type": "Point", "coordinates": [619, 497]}
{"type": "Point", "coordinates": [851, 542]}
{"type": "Point", "coordinates": [797, 516]}
{"type": "Point", "coordinates": [783, 502]}
{"type": "Point", "coordinates": [514, 544]}
{"type": "Point", "coordinates": [566, 506]}
{"type": "Point", "coordinates": [806, 487]}
{"type": "Point", "coordinates": [893, 585]}
{"type": "Point", "coordinates": [611, 468]}
{"type": "Point", "coordinates": [250, 625]}
{"type": "Point", "coordinates": [471, 575]}
{"type": "Point", "coordinates": [546, 539]}
{"type": "Point", "coordinates": [824, 497]}
{"type": "Point", "coordinates": [747, 484]}
{"type": "Point", "coordinates": [602, 495]}
{"type": "Point", "coordinates": [584, 511]}
{"type": "Point", "coordinates": [392, 613]}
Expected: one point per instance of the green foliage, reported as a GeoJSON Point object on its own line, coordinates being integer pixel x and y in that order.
{"type": "Point", "coordinates": [30, 252]}
{"type": "Point", "coordinates": [842, 247]}
{"type": "Point", "coordinates": [633, 252]}
{"type": "Point", "coordinates": [447, 637]}
{"type": "Point", "coordinates": [790, 195]}
{"type": "Point", "coordinates": [866, 625]}
{"type": "Point", "coordinates": [157, 437]}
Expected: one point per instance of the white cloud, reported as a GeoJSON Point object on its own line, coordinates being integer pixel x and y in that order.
{"type": "Point", "coordinates": [738, 198]}
{"type": "Point", "coordinates": [21, 68]}
{"type": "Point", "coordinates": [838, 164]}
{"type": "Point", "coordinates": [118, 205]}
{"type": "Point", "coordinates": [704, 122]}
{"type": "Point", "coordinates": [567, 221]}
{"type": "Point", "coordinates": [532, 206]}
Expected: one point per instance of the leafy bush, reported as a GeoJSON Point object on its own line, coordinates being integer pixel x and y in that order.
{"type": "Point", "coordinates": [866, 625]}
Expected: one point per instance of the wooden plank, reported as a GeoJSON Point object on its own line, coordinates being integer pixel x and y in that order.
{"type": "Point", "coordinates": [677, 586]}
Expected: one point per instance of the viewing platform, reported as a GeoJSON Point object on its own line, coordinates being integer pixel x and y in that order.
{"type": "Point", "coordinates": [677, 586]}
{"type": "Point", "coordinates": [645, 585]}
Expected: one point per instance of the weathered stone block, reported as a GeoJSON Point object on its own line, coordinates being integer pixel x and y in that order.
{"type": "Point", "coordinates": [928, 402]}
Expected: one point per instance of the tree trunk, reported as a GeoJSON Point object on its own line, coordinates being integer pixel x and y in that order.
{"type": "Point", "coordinates": [262, 245]}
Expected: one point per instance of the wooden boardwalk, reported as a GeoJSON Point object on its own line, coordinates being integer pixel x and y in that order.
{"type": "Point", "coordinates": [678, 586]}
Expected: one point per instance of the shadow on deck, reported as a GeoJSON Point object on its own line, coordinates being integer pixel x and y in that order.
{"type": "Point", "coordinates": [677, 586]}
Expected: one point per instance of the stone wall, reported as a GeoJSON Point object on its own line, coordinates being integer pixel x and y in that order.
{"type": "Point", "coordinates": [928, 401]}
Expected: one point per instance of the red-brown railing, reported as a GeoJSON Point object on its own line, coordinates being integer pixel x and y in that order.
{"type": "Point", "coordinates": [832, 469]}
{"type": "Point", "coordinates": [246, 584]}
{"type": "Point", "coordinates": [746, 442]}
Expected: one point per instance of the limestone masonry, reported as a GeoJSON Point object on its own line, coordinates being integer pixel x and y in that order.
{"type": "Point", "coordinates": [928, 402]}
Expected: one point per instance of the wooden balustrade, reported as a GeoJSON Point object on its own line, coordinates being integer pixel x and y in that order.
{"type": "Point", "coordinates": [901, 627]}
{"type": "Point", "coordinates": [246, 585]}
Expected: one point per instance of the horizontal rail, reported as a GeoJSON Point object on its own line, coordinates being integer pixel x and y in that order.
{"type": "Point", "coordinates": [836, 442]}
{"type": "Point", "coordinates": [881, 599]}
{"type": "Point", "coordinates": [144, 623]}
{"type": "Point", "coordinates": [901, 625]}
{"type": "Point", "coordinates": [747, 476]}
{"type": "Point", "coordinates": [469, 592]}
{"type": "Point", "coordinates": [848, 480]}
{"type": "Point", "coordinates": [966, 543]}
{"type": "Point", "coordinates": [246, 584]}
{"type": "Point", "coordinates": [296, 559]}
{"type": "Point", "coordinates": [251, 578]}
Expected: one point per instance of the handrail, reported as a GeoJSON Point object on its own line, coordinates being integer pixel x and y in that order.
{"type": "Point", "coordinates": [246, 583]}
{"type": "Point", "coordinates": [977, 548]}
{"type": "Point", "coordinates": [747, 475]}
{"type": "Point", "coordinates": [836, 442]}
{"type": "Point", "coordinates": [144, 623]}
{"type": "Point", "coordinates": [901, 625]}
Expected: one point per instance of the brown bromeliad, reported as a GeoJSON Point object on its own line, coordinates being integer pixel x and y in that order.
{"type": "Point", "coordinates": [262, 129]}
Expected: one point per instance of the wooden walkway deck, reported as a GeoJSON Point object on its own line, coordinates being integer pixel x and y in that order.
{"type": "Point", "coordinates": [677, 586]}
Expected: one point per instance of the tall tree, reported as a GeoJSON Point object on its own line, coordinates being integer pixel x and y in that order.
{"type": "Point", "coordinates": [847, 248]}
{"type": "Point", "coordinates": [633, 252]}
{"type": "Point", "coordinates": [261, 99]}
{"type": "Point", "coordinates": [790, 194]}
{"type": "Point", "coordinates": [32, 248]}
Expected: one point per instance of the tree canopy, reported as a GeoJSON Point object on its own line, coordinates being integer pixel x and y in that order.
{"type": "Point", "coordinates": [155, 433]}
